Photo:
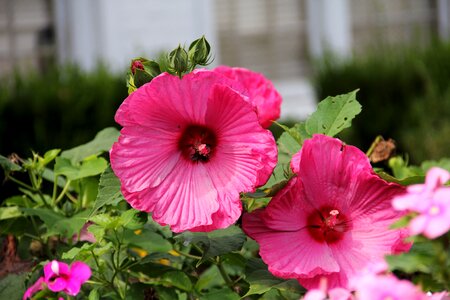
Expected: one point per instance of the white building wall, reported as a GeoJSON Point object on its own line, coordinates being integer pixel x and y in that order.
{"type": "Point", "coordinates": [115, 31]}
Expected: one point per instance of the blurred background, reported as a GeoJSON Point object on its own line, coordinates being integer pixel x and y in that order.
{"type": "Point", "coordinates": [63, 62]}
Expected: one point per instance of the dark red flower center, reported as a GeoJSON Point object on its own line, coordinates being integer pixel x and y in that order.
{"type": "Point", "coordinates": [197, 143]}
{"type": "Point", "coordinates": [328, 225]}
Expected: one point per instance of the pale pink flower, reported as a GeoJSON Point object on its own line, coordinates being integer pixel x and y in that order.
{"type": "Point", "coordinates": [188, 147]}
{"type": "Point", "coordinates": [444, 295]}
{"type": "Point", "coordinates": [431, 200]}
{"type": "Point", "coordinates": [260, 91]}
{"type": "Point", "coordinates": [36, 287]}
{"type": "Point", "coordinates": [330, 220]}
{"type": "Point", "coordinates": [59, 277]}
{"type": "Point", "coordinates": [322, 293]}
{"type": "Point", "coordinates": [382, 287]}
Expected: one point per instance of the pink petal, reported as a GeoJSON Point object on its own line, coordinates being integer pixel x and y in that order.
{"type": "Point", "coordinates": [261, 92]}
{"type": "Point", "coordinates": [285, 212]}
{"type": "Point", "coordinates": [243, 145]}
{"type": "Point", "coordinates": [340, 294]}
{"type": "Point", "coordinates": [140, 150]}
{"type": "Point", "coordinates": [57, 285]}
{"type": "Point", "coordinates": [48, 272]}
{"type": "Point", "coordinates": [330, 175]}
{"type": "Point", "coordinates": [186, 199]}
{"type": "Point", "coordinates": [435, 178]}
{"type": "Point", "coordinates": [315, 294]}
{"type": "Point", "coordinates": [73, 287]}
{"type": "Point", "coordinates": [36, 287]}
{"type": "Point", "coordinates": [289, 254]}
{"type": "Point", "coordinates": [80, 271]}
{"type": "Point", "coordinates": [436, 226]}
{"type": "Point", "coordinates": [418, 224]}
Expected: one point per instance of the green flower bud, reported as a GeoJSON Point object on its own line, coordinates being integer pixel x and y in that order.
{"type": "Point", "coordinates": [178, 60]}
{"type": "Point", "coordinates": [199, 51]}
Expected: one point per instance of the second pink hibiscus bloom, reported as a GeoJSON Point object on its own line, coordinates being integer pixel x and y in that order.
{"type": "Point", "coordinates": [330, 220]}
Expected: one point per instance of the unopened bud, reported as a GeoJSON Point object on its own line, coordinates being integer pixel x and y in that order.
{"type": "Point", "coordinates": [199, 51]}
{"type": "Point", "coordinates": [178, 59]}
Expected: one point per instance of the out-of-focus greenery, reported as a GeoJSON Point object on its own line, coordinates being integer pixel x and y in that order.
{"type": "Point", "coordinates": [405, 94]}
{"type": "Point", "coordinates": [61, 108]}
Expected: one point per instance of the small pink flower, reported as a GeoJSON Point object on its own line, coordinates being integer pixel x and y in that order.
{"type": "Point", "coordinates": [382, 287]}
{"type": "Point", "coordinates": [262, 94]}
{"type": "Point", "coordinates": [322, 293]}
{"type": "Point", "coordinates": [59, 277]}
{"type": "Point", "coordinates": [431, 200]}
{"type": "Point", "coordinates": [36, 287]}
{"type": "Point", "coordinates": [188, 147]}
{"type": "Point", "coordinates": [437, 296]}
{"type": "Point", "coordinates": [330, 220]}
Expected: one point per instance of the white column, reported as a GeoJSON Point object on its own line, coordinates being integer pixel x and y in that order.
{"type": "Point", "coordinates": [443, 15]}
{"type": "Point", "coordinates": [329, 27]}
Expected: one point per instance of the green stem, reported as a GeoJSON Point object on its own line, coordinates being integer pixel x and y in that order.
{"type": "Point", "coordinates": [224, 273]}
{"type": "Point", "coordinates": [22, 184]}
{"type": "Point", "coordinates": [55, 189]}
{"type": "Point", "coordinates": [63, 192]}
{"type": "Point", "coordinates": [187, 254]}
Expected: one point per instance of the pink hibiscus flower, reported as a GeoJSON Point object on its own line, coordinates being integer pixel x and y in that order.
{"type": "Point", "coordinates": [330, 220]}
{"type": "Point", "coordinates": [260, 90]}
{"type": "Point", "coordinates": [59, 277]}
{"type": "Point", "coordinates": [431, 200]}
{"type": "Point", "coordinates": [188, 147]}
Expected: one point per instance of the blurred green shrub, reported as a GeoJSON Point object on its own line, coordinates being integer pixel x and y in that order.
{"type": "Point", "coordinates": [405, 94]}
{"type": "Point", "coordinates": [62, 108]}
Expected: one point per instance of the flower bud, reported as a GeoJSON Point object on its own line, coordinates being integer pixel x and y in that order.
{"type": "Point", "coordinates": [199, 51]}
{"type": "Point", "coordinates": [178, 60]}
{"type": "Point", "coordinates": [142, 71]}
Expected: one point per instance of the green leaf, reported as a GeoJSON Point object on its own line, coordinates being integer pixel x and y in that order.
{"type": "Point", "coordinates": [147, 240]}
{"type": "Point", "coordinates": [333, 114]}
{"type": "Point", "coordinates": [165, 293]}
{"type": "Point", "coordinates": [8, 165]}
{"type": "Point", "coordinates": [10, 212]}
{"type": "Point", "coordinates": [443, 163]}
{"type": "Point", "coordinates": [261, 280]}
{"type": "Point", "coordinates": [108, 191]}
{"type": "Point", "coordinates": [421, 258]}
{"type": "Point", "coordinates": [101, 143]}
{"type": "Point", "coordinates": [215, 243]}
{"type": "Point", "coordinates": [49, 217]}
{"type": "Point", "coordinates": [133, 219]}
{"type": "Point", "coordinates": [177, 279]}
{"type": "Point", "coordinates": [89, 167]}
{"type": "Point", "coordinates": [67, 227]}
{"type": "Point", "coordinates": [48, 157]}
{"type": "Point", "coordinates": [209, 279]}
{"type": "Point", "coordinates": [222, 294]}
{"type": "Point", "coordinates": [12, 286]}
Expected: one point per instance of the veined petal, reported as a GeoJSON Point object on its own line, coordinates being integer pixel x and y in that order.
{"type": "Point", "coordinates": [138, 151]}
{"type": "Point", "coordinates": [329, 175]}
{"type": "Point", "coordinates": [186, 199]}
{"type": "Point", "coordinates": [289, 254]}
{"type": "Point", "coordinates": [242, 141]}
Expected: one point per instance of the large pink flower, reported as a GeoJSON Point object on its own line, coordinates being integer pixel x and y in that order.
{"type": "Point", "coordinates": [330, 220]}
{"type": "Point", "coordinates": [59, 277]}
{"type": "Point", "coordinates": [188, 147]}
{"type": "Point", "coordinates": [260, 90]}
{"type": "Point", "coordinates": [431, 200]}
